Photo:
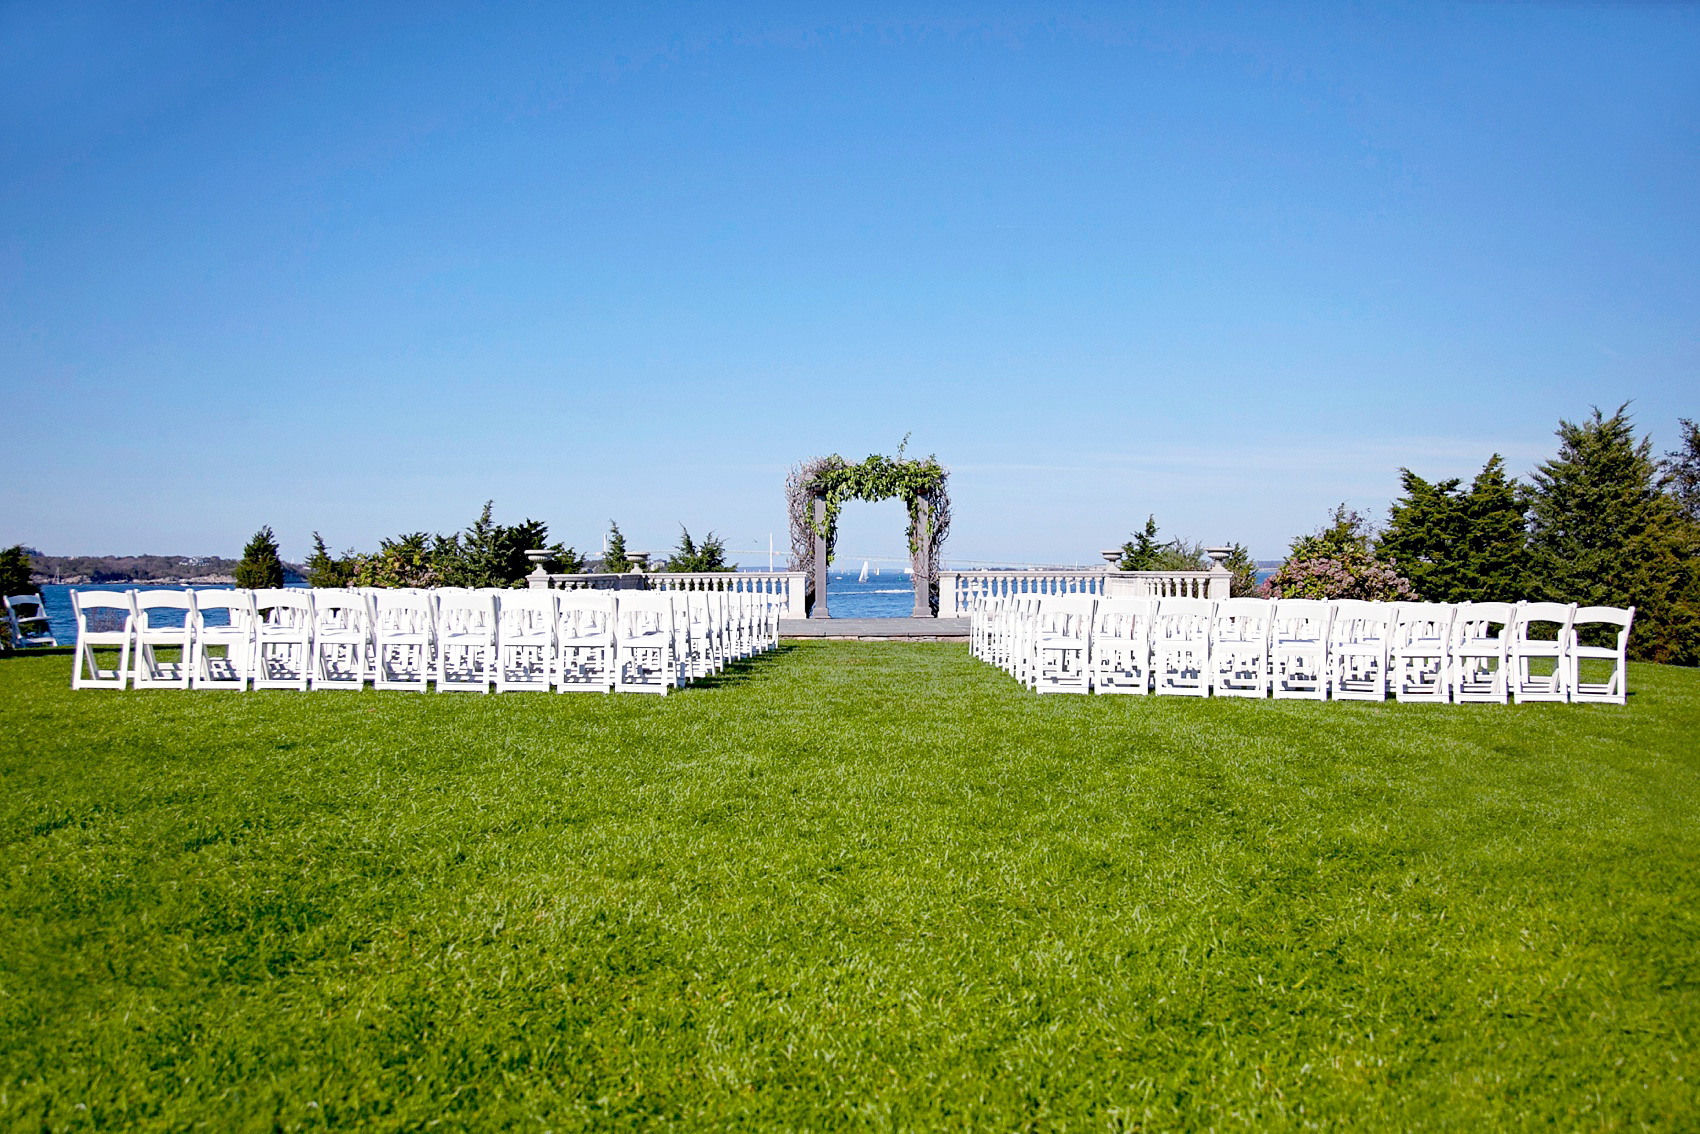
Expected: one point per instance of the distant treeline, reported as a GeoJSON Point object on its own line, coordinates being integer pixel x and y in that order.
{"type": "Point", "coordinates": [135, 568]}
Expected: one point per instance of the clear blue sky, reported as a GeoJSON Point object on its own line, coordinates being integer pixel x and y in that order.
{"type": "Point", "coordinates": [357, 268]}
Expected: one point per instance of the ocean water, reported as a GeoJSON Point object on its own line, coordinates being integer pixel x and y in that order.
{"type": "Point", "coordinates": [891, 595]}
{"type": "Point", "coordinates": [882, 596]}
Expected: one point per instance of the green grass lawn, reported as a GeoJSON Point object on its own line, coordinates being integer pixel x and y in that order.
{"type": "Point", "coordinates": [846, 884]}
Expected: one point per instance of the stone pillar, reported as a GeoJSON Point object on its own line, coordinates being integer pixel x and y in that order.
{"type": "Point", "coordinates": [1221, 580]}
{"type": "Point", "coordinates": [820, 610]}
{"type": "Point", "coordinates": [923, 562]}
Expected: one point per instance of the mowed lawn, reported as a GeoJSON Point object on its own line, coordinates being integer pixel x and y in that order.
{"type": "Point", "coordinates": [845, 885]}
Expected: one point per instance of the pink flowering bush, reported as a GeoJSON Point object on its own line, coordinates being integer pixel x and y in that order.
{"type": "Point", "coordinates": [1350, 576]}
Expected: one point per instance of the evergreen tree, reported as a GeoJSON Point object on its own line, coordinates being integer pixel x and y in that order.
{"type": "Point", "coordinates": [1683, 465]}
{"type": "Point", "coordinates": [709, 555]}
{"type": "Point", "coordinates": [261, 566]}
{"type": "Point", "coordinates": [1603, 531]}
{"type": "Point", "coordinates": [1140, 552]}
{"type": "Point", "coordinates": [1244, 568]}
{"type": "Point", "coordinates": [326, 570]}
{"type": "Point", "coordinates": [614, 559]}
{"type": "Point", "coordinates": [1145, 552]}
{"type": "Point", "coordinates": [1457, 546]}
{"type": "Point", "coordinates": [15, 571]}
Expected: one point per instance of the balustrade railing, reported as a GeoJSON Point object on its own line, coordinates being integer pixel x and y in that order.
{"type": "Point", "coordinates": [963, 592]}
{"type": "Point", "coordinates": [786, 586]}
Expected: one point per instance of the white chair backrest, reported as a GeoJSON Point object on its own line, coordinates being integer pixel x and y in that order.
{"type": "Point", "coordinates": [1608, 615]}
{"type": "Point", "coordinates": [640, 612]}
{"type": "Point", "coordinates": [1614, 616]}
{"type": "Point", "coordinates": [465, 611]}
{"type": "Point", "coordinates": [235, 606]}
{"type": "Point", "coordinates": [103, 611]}
{"type": "Point", "coordinates": [1243, 620]}
{"type": "Point", "coordinates": [1066, 615]}
{"type": "Point", "coordinates": [1301, 620]}
{"type": "Point", "coordinates": [1183, 618]}
{"type": "Point", "coordinates": [336, 608]}
{"type": "Point", "coordinates": [1422, 622]}
{"type": "Point", "coordinates": [1533, 614]}
{"type": "Point", "coordinates": [1122, 617]}
{"type": "Point", "coordinates": [279, 606]}
{"type": "Point", "coordinates": [1358, 621]}
{"type": "Point", "coordinates": [173, 609]}
{"type": "Point", "coordinates": [401, 611]}
{"type": "Point", "coordinates": [585, 613]}
{"type": "Point", "coordinates": [1475, 621]}
{"type": "Point", "coordinates": [526, 612]}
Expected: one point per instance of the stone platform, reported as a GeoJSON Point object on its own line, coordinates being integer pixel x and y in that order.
{"type": "Point", "coordinates": [877, 629]}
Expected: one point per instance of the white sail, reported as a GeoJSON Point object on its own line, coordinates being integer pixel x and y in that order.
{"type": "Point", "coordinates": [863, 577]}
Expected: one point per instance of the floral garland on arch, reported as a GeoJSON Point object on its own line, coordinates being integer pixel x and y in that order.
{"type": "Point", "coordinates": [836, 480]}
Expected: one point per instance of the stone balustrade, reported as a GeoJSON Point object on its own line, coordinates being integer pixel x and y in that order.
{"type": "Point", "coordinates": [963, 592]}
{"type": "Point", "coordinates": [787, 586]}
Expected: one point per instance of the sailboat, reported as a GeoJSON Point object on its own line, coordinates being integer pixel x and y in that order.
{"type": "Point", "coordinates": [863, 577]}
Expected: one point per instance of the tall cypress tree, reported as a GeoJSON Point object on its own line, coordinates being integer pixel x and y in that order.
{"type": "Point", "coordinates": [1684, 467]}
{"type": "Point", "coordinates": [261, 565]}
{"type": "Point", "coordinates": [1602, 530]}
{"type": "Point", "coordinates": [1458, 546]}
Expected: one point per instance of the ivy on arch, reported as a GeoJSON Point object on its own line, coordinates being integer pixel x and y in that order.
{"type": "Point", "coordinates": [879, 477]}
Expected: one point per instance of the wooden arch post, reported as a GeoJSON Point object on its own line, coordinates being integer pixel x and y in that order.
{"type": "Point", "coordinates": [818, 510]}
{"type": "Point", "coordinates": [922, 563]}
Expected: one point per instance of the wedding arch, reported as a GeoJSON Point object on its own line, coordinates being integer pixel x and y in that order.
{"type": "Point", "coordinates": [816, 490]}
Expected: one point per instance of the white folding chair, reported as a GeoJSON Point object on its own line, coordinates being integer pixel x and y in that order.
{"type": "Point", "coordinates": [223, 620]}
{"type": "Point", "coordinates": [466, 641]}
{"type": "Point", "coordinates": [1180, 646]}
{"type": "Point", "coordinates": [1480, 652]}
{"type": "Point", "coordinates": [1614, 690]}
{"type": "Point", "coordinates": [1422, 646]}
{"type": "Point", "coordinates": [403, 636]}
{"type": "Point", "coordinates": [525, 640]}
{"type": "Point", "coordinates": [1239, 647]}
{"type": "Point", "coordinates": [104, 619]}
{"type": "Point", "coordinates": [1359, 637]}
{"type": "Point", "coordinates": [1062, 644]}
{"type": "Point", "coordinates": [1121, 646]}
{"type": "Point", "coordinates": [283, 639]}
{"type": "Point", "coordinates": [342, 638]}
{"type": "Point", "coordinates": [644, 661]}
{"type": "Point", "coordinates": [1298, 649]}
{"type": "Point", "coordinates": [1540, 666]}
{"type": "Point", "coordinates": [584, 640]}
{"type": "Point", "coordinates": [164, 621]}
{"type": "Point", "coordinates": [29, 630]}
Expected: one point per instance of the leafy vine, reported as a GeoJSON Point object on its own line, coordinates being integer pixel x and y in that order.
{"type": "Point", "coordinates": [834, 480]}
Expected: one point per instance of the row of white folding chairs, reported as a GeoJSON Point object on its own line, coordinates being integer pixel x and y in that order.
{"type": "Point", "coordinates": [1308, 648]}
{"type": "Point", "coordinates": [26, 616]}
{"type": "Point", "coordinates": [465, 640]}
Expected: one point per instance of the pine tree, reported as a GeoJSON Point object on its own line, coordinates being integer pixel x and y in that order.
{"type": "Point", "coordinates": [1458, 546]}
{"type": "Point", "coordinates": [1683, 465]}
{"type": "Point", "coordinates": [15, 571]}
{"type": "Point", "coordinates": [614, 560]}
{"type": "Point", "coordinates": [709, 555]}
{"type": "Point", "coordinates": [1140, 553]}
{"type": "Point", "coordinates": [261, 566]}
{"type": "Point", "coordinates": [1603, 531]}
{"type": "Point", "coordinates": [326, 570]}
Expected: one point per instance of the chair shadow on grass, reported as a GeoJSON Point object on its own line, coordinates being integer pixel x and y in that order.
{"type": "Point", "coordinates": [744, 671]}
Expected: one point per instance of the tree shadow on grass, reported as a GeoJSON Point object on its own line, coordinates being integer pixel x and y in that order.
{"type": "Point", "coordinates": [746, 671]}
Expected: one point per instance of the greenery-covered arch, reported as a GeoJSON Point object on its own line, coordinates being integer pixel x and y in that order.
{"type": "Point", "coordinates": [835, 480]}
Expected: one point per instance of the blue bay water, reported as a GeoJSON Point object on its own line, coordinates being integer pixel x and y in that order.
{"type": "Point", "coordinates": [882, 596]}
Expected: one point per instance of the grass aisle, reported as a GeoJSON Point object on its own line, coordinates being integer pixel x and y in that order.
{"type": "Point", "coordinates": [845, 884]}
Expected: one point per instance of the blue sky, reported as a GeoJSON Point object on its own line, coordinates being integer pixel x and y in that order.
{"type": "Point", "coordinates": [358, 268]}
